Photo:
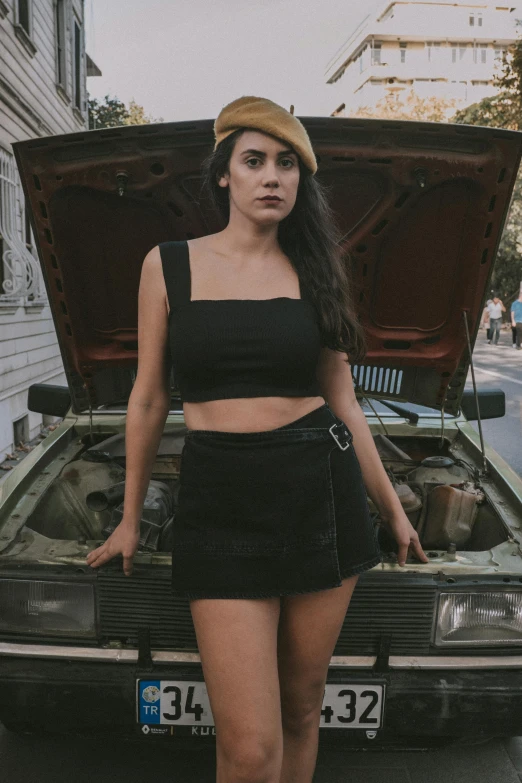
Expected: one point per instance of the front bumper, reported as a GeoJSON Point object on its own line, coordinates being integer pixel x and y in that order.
{"type": "Point", "coordinates": [93, 691]}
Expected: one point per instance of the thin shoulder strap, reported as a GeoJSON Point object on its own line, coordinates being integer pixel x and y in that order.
{"type": "Point", "coordinates": [176, 271]}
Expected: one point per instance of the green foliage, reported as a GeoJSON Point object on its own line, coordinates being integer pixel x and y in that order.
{"type": "Point", "coordinates": [507, 272]}
{"type": "Point", "coordinates": [111, 113]}
{"type": "Point", "coordinates": [504, 110]}
{"type": "Point", "coordinates": [498, 111]}
{"type": "Point", "coordinates": [408, 105]}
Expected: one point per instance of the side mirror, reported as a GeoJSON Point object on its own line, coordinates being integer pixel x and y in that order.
{"type": "Point", "coordinates": [48, 398]}
{"type": "Point", "coordinates": [492, 404]}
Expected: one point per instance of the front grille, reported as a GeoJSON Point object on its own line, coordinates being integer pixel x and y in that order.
{"type": "Point", "coordinates": [401, 606]}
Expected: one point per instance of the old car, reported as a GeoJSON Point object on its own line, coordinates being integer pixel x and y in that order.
{"type": "Point", "coordinates": [428, 652]}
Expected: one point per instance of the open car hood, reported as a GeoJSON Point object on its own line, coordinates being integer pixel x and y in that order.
{"type": "Point", "coordinates": [421, 207]}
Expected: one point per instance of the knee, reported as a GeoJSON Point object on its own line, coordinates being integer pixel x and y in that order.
{"type": "Point", "coordinates": [301, 712]}
{"type": "Point", "coordinates": [252, 761]}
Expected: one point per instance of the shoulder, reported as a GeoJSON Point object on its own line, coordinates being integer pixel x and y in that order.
{"type": "Point", "coordinates": [152, 263]}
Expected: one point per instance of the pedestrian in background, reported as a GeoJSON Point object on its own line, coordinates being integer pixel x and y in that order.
{"type": "Point", "coordinates": [485, 319]}
{"type": "Point", "coordinates": [496, 308]}
{"type": "Point", "coordinates": [516, 320]}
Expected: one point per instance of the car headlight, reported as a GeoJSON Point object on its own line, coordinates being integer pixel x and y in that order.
{"type": "Point", "coordinates": [479, 618]}
{"type": "Point", "coordinates": [47, 608]}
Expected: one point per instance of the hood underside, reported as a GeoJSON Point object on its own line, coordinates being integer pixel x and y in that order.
{"type": "Point", "coordinates": [421, 207]}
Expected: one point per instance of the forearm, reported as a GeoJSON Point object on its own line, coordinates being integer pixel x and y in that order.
{"type": "Point", "coordinates": [375, 478]}
{"type": "Point", "coordinates": [144, 428]}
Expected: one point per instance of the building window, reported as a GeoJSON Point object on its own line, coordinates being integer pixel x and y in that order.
{"type": "Point", "coordinates": [480, 53]}
{"type": "Point", "coordinates": [23, 15]}
{"type": "Point", "coordinates": [500, 53]}
{"type": "Point", "coordinates": [431, 49]}
{"type": "Point", "coordinates": [60, 42]}
{"type": "Point", "coordinates": [403, 47]}
{"type": "Point", "coordinates": [77, 65]}
{"type": "Point", "coordinates": [21, 431]}
{"type": "Point", "coordinates": [458, 51]}
{"type": "Point", "coordinates": [376, 54]}
{"type": "Point", "coordinates": [28, 231]}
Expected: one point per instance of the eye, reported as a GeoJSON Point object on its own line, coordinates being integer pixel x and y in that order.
{"type": "Point", "coordinates": [253, 159]}
{"type": "Point", "coordinates": [287, 160]}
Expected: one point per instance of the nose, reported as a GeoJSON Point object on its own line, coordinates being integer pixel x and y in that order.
{"type": "Point", "coordinates": [270, 175]}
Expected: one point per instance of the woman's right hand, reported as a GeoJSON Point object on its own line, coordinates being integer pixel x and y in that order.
{"type": "Point", "coordinates": [123, 541]}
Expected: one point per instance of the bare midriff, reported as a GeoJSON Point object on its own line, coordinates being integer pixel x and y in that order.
{"type": "Point", "coordinates": [248, 414]}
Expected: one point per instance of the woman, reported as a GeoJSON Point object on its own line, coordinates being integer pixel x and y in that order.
{"type": "Point", "coordinates": [272, 528]}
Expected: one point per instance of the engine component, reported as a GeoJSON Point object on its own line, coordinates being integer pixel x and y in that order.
{"type": "Point", "coordinates": [430, 471]}
{"type": "Point", "coordinates": [63, 511]}
{"type": "Point", "coordinates": [450, 517]}
{"type": "Point", "coordinates": [157, 510]}
{"type": "Point", "coordinates": [101, 499]}
{"type": "Point", "coordinates": [437, 462]}
{"type": "Point", "coordinates": [410, 501]}
{"type": "Point", "coordinates": [393, 457]}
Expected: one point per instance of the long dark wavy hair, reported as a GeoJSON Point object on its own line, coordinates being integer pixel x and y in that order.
{"type": "Point", "coordinates": [310, 238]}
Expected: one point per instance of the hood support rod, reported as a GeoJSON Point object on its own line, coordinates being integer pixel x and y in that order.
{"type": "Point", "coordinates": [479, 421]}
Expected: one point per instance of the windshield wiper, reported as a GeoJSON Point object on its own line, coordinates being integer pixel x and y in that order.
{"type": "Point", "coordinates": [396, 407]}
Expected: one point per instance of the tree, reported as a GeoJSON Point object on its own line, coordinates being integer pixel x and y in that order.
{"type": "Point", "coordinates": [497, 111]}
{"type": "Point", "coordinates": [504, 110]}
{"type": "Point", "coordinates": [137, 116]}
{"type": "Point", "coordinates": [112, 113]}
{"type": "Point", "coordinates": [507, 272]}
{"type": "Point", "coordinates": [409, 106]}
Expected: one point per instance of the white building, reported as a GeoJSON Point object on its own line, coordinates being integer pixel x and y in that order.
{"type": "Point", "coordinates": [43, 70]}
{"type": "Point", "coordinates": [437, 49]}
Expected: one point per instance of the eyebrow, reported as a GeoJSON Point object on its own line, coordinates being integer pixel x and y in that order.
{"type": "Point", "coordinates": [263, 154]}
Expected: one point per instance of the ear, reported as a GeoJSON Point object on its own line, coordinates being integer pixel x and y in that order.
{"type": "Point", "coordinates": [223, 181]}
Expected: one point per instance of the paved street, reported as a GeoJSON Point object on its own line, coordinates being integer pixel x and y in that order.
{"type": "Point", "coordinates": [500, 366]}
{"type": "Point", "coordinates": [45, 760]}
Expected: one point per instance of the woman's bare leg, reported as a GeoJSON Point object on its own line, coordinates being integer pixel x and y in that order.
{"type": "Point", "coordinates": [237, 640]}
{"type": "Point", "coordinates": [308, 630]}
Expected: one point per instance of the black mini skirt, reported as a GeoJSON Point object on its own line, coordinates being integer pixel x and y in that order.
{"type": "Point", "coordinates": [271, 513]}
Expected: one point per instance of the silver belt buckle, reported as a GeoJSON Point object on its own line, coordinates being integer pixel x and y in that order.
{"type": "Point", "coordinates": [336, 439]}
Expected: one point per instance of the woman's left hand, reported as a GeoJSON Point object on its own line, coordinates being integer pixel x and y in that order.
{"type": "Point", "coordinates": [400, 527]}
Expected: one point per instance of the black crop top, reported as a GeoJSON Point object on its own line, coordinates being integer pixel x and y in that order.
{"type": "Point", "coordinates": [226, 348]}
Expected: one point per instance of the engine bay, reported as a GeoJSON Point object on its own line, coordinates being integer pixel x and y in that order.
{"type": "Point", "coordinates": [440, 493]}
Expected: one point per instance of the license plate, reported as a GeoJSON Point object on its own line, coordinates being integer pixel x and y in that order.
{"type": "Point", "coordinates": [183, 703]}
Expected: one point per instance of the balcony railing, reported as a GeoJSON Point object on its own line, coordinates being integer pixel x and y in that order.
{"type": "Point", "coordinates": [22, 275]}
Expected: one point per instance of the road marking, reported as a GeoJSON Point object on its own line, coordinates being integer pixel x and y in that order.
{"type": "Point", "coordinates": [497, 374]}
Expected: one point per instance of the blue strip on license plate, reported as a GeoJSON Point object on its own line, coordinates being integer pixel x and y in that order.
{"type": "Point", "coordinates": [184, 703]}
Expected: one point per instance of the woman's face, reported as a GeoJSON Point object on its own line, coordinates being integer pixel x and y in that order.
{"type": "Point", "coordinates": [262, 165]}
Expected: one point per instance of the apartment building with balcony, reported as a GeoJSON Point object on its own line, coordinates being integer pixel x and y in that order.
{"type": "Point", "coordinates": [437, 49]}
{"type": "Point", "coordinates": [43, 72]}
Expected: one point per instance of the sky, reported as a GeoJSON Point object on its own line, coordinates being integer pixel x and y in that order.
{"type": "Point", "coordinates": [186, 59]}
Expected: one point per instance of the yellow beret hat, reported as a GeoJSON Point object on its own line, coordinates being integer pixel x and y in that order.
{"type": "Point", "coordinates": [265, 115]}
